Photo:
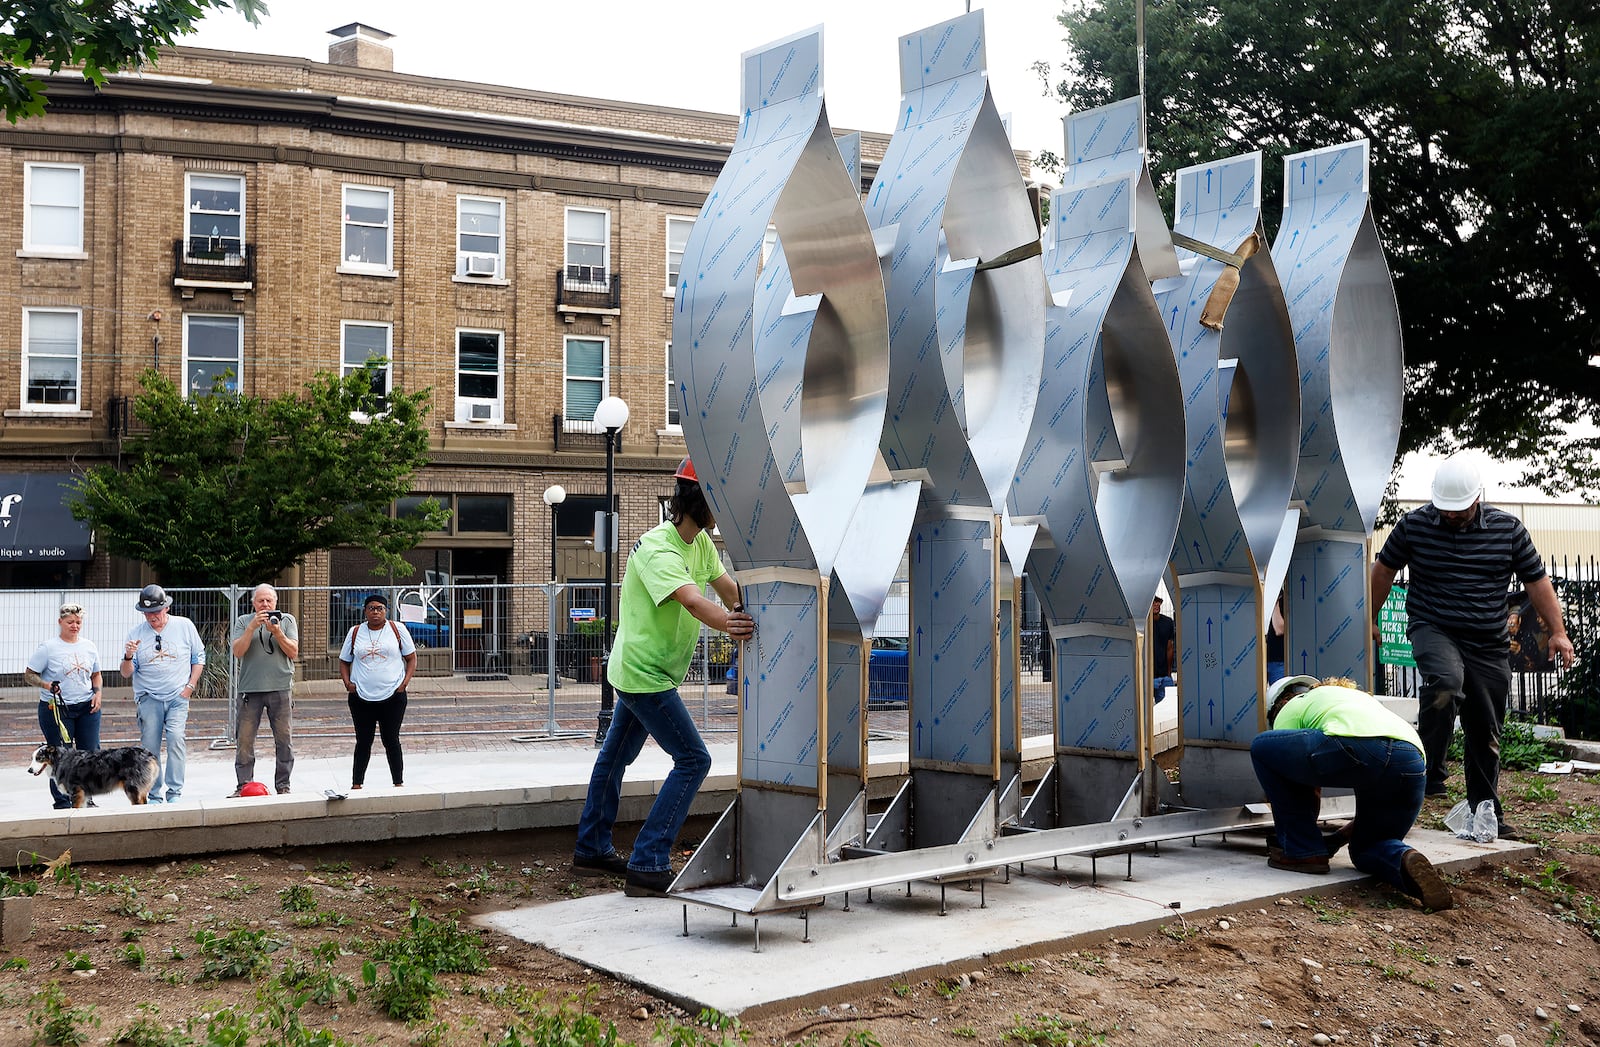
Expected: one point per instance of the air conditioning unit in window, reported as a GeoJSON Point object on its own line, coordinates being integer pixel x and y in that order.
{"type": "Point", "coordinates": [477, 411]}
{"type": "Point", "coordinates": [482, 265]}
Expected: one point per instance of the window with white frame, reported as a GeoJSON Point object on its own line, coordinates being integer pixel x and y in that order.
{"type": "Point", "coordinates": [478, 382]}
{"type": "Point", "coordinates": [677, 237]}
{"type": "Point", "coordinates": [368, 227]}
{"type": "Point", "coordinates": [52, 355]}
{"type": "Point", "coordinates": [52, 217]}
{"type": "Point", "coordinates": [213, 347]}
{"type": "Point", "coordinates": [362, 342]}
{"type": "Point", "coordinates": [585, 380]}
{"type": "Point", "coordinates": [588, 237]}
{"type": "Point", "coordinates": [215, 217]}
{"type": "Point", "coordinates": [674, 418]}
{"type": "Point", "coordinates": [480, 237]}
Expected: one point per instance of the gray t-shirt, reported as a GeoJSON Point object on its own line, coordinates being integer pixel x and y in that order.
{"type": "Point", "coordinates": [264, 666]}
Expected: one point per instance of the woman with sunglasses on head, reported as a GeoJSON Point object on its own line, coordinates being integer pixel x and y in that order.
{"type": "Point", "coordinates": [66, 669]}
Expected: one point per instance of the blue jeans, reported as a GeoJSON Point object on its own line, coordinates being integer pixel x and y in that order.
{"type": "Point", "coordinates": [661, 716]}
{"type": "Point", "coordinates": [83, 725]}
{"type": "Point", "coordinates": [165, 717]}
{"type": "Point", "coordinates": [1388, 778]}
{"type": "Point", "coordinates": [1275, 672]}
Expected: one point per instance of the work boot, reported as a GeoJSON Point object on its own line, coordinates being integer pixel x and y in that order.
{"type": "Point", "coordinates": [1315, 864]}
{"type": "Point", "coordinates": [613, 864]}
{"type": "Point", "coordinates": [1424, 882]}
{"type": "Point", "coordinates": [647, 884]}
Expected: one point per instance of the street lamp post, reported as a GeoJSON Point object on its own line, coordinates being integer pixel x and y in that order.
{"type": "Point", "coordinates": [554, 495]}
{"type": "Point", "coordinates": [611, 414]}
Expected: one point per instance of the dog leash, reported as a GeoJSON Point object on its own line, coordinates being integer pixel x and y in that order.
{"type": "Point", "coordinates": [55, 708]}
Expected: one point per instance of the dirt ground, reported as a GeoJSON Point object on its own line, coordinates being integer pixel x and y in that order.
{"type": "Point", "coordinates": [269, 947]}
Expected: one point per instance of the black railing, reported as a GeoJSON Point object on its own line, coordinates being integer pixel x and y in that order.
{"type": "Point", "coordinates": [577, 288]}
{"type": "Point", "coordinates": [580, 435]}
{"type": "Point", "coordinates": [213, 259]}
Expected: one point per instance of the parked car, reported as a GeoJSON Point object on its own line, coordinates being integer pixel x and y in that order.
{"type": "Point", "coordinates": [888, 674]}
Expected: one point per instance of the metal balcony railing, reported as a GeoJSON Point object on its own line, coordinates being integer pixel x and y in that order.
{"type": "Point", "coordinates": [588, 287]}
{"type": "Point", "coordinates": [213, 260]}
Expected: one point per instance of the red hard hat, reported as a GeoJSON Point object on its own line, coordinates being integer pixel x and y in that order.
{"type": "Point", "coordinates": [252, 789]}
{"type": "Point", "coordinates": [686, 471]}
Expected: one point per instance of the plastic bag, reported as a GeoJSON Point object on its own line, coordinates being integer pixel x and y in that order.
{"type": "Point", "coordinates": [1481, 825]}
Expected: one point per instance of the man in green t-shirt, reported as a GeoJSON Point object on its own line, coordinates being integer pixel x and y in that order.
{"type": "Point", "coordinates": [660, 611]}
{"type": "Point", "coordinates": [266, 641]}
{"type": "Point", "coordinates": [1328, 733]}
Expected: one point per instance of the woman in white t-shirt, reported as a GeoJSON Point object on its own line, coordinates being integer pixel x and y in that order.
{"type": "Point", "coordinates": [376, 661]}
{"type": "Point", "coordinates": [66, 669]}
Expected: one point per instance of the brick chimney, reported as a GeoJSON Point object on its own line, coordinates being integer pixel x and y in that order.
{"type": "Point", "coordinates": [361, 46]}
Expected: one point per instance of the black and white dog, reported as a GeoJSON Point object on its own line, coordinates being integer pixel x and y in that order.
{"type": "Point", "coordinates": [82, 775]}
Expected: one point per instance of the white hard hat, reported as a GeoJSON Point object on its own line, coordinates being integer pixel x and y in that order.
{"type": "Point", "coordinates": [1456, 483]}
{"type": "Point", "coordinates": [1305, 683]}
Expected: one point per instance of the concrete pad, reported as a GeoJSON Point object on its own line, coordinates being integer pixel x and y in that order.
{"type": "Point", "coordinates": [642, 941]}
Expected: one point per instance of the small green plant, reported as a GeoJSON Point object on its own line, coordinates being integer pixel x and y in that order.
{"type": "Point", "coordinates": [1181, 933]}
{"type": "Point", "coordinates": [860, 1038]}
{"type": "Point", "coordinates": [965, 1032]}
{"type": "Point", "coordinates": [57, 1020]}
{"type": "Point", "coordinates": [132, 954]}
{"type": "Point", "coordinates": [16, 887]}
{"type": "Point", "coordinates": [1540, 791]}
{"type": "Point", "coordinates": [947, 987]}
{"type": "Point", "coordinates": [332, 867]}
{"type": "Point", "coordinates": [1414, 953]}
{"type": "Point", "coordinates": [133, 934]}
{"type": "Point", "coordinates": [1047, 1030]}
{"type": "Point", "coordinates": [901, 989]}
{"type": "Point", "coordinates": [237, 954]}
{"type": "Point", "coordinates": [1522, 750]}
{"type": "Point", "coordinates": [1085, 962]}
{"type": "Point", "coordinates": [238, 891]}
{"type": "Point", "coordinates": [406, 991]}
{"type": "Point", "coordinates": [15, 963]}
{"type": "Point", "coordinates": [148, 1031]}
{"type": "Point", "coordinates": [1019, 967]}
{"type": "Point", "coordinates": [1326, 911]}
{"type": "Point", "coordinates": [194, 869]}
{"type": "Point", "coordinates": [317, 979]}
{"type": "Point", "coordinates": [439, 946]}
{"type": "Point", "coordinates": [77, 961]}
{"type": "Point", "coordinates": [299, 898]}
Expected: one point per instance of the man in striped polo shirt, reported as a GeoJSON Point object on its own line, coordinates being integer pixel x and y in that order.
{"type": "Point", "coordinates": [1462, 555]}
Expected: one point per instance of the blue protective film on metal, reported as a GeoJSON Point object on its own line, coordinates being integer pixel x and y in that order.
{"type": "Point", "coordinates": [1347, 338]}
{"type": "Point", "coordinates": [1241, 402]}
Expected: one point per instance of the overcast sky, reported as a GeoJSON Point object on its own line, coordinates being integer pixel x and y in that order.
{"type": "Point", "coordinates": [684, 55]}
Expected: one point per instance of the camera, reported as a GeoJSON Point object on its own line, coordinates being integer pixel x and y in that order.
{"type": "Point", "coordinates": [274, 617]}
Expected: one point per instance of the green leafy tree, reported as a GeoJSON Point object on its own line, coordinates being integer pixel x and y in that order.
{"type": "Point", "coordinates": [100, 36]}
{"type": "Point", "coordinates": [229, 488]}
{"type": "Point", "coordinates": [1485, 178]}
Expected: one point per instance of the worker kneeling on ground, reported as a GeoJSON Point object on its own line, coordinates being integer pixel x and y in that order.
{"type": "Point", "coordinates": [1329, 733]}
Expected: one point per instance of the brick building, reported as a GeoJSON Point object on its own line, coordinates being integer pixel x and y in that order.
{"type": "Point", "coordinates": [264, 218]}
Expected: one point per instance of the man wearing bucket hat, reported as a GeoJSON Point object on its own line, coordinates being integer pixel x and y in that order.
{"type": "Point", "coordinates": [1328, 733]}
{"type": "Point", "coordinates": [1462, 555]}
{"type": "Point", "coordinates": [164, 656]}
{"type": "Point", "coordinates": [662, 607]}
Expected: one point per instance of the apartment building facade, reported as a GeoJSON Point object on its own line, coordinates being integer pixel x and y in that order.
{"type": "Point", "coordinates": [252, 220]}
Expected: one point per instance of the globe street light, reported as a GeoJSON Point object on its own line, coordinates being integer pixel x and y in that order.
{"type": "Point", "coordinates": [554, 495]}
{"type": "Point", "coordinates": [611, 414]}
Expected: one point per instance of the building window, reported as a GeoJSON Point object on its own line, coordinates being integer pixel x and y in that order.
{"type": "Point", "coordinates": [588, 234]}
{"type": "Point", "coordinates": [52, 220]}
{"type": "Point", "coordinates": [478, 387]}
{"type": "Point", "coordinates": [213, 346]}
{"type": "Point", "coordinates": [368, 227]}
{"type": "Point", "coordinates": [216, 216]}
{"type": "Point", "coordinates": [363, 342]}
{"type": "Point", "coordinates": [480, 240]}
{"type": "Point", "coordinates": [585, 380]}
{"type": "Point", "coordinates": [52, 344]}
{"type": "Point", "coordinates": [674, 418]}
{"type": "Point", "coordinates": [677, 238]}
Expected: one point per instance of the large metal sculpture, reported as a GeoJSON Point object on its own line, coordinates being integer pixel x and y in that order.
{"type": "Point", "coordinates": [1347, 337]}
{"type": "Point", "coordinates": [900, 377]}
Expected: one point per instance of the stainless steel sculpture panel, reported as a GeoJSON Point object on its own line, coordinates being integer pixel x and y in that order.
{"type": "Point", "coordinates": [1347, 336]}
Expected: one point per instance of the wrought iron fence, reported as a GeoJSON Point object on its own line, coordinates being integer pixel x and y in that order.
{"type": "Point", "coordinates": [1542, 691]}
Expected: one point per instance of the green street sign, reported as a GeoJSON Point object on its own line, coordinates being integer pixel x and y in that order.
{"type": "Point", "coordinates": [1394, 648]}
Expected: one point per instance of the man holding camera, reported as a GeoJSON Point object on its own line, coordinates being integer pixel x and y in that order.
{"type": "Point", "coordinates": [266, 642]}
